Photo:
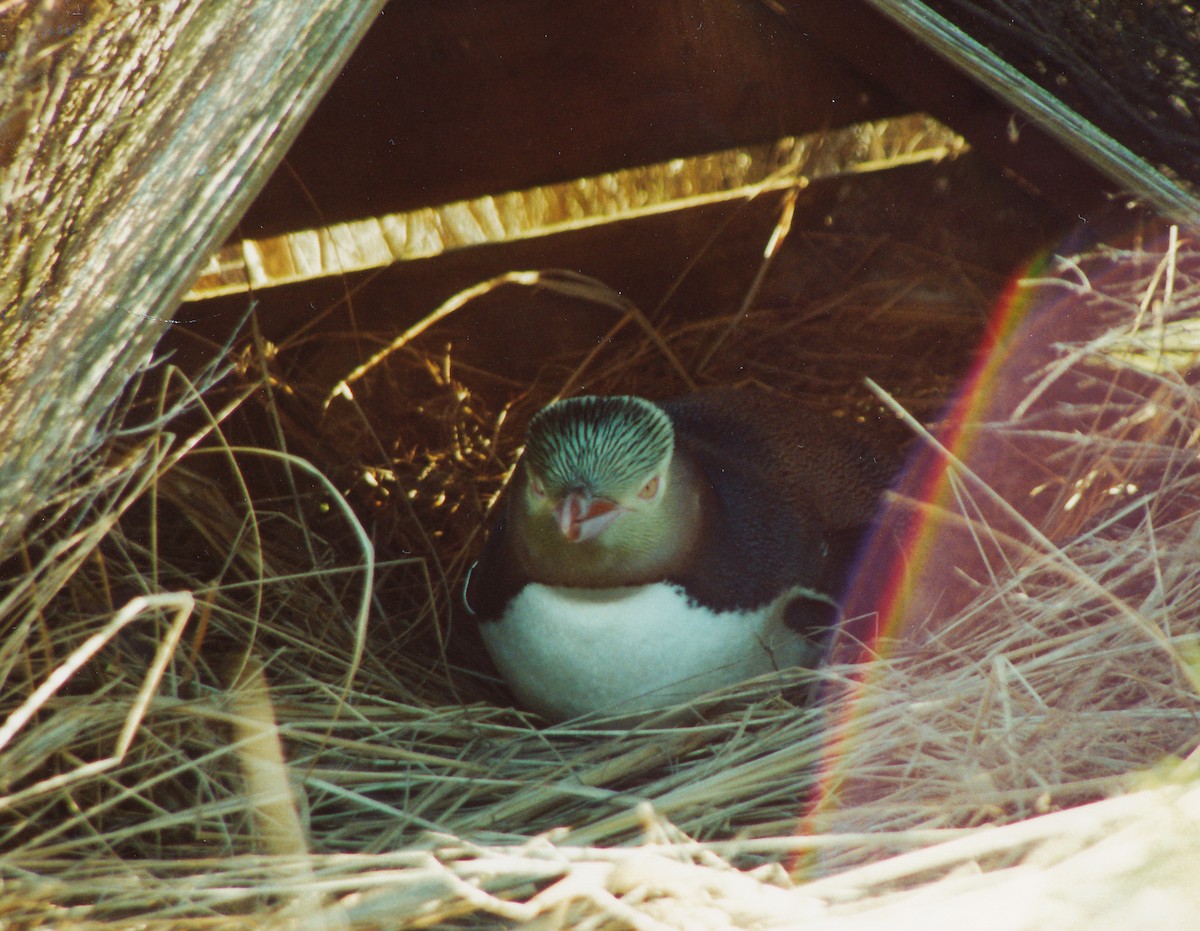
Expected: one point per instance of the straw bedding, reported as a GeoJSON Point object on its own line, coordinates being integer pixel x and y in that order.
{"type": "Point", "coordinates": [232, 698]}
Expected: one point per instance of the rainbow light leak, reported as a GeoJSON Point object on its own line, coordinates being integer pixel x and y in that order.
{"type": "Point", "coordinates": [887, 603]}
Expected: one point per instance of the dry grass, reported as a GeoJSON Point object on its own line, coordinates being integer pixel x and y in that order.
{"type": "Point", "coordinates": [380, 779]}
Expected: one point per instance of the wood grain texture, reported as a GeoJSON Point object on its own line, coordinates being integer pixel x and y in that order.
{"type": "Point", "coordinates": [134, 135]}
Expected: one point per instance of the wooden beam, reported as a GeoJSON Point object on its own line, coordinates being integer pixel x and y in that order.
{"type": "Point", "coordinates": [133, 137]}
{"type": "Point", "coordinates": [1070, 129]}
{"type": "Point", "coordinates": [915, 72]}
{"type": "Point", "coordinates": [627, 194]}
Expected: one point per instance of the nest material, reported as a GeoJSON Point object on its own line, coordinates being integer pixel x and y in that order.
{"type": "Point", "coordinates": [226, 706]}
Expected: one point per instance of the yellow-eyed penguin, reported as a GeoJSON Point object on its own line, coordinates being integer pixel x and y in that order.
{"type": "Point", "coordinates": [646, 553]}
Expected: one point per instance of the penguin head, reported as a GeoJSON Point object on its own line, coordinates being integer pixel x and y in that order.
{"type": "Point", "coordinates": [597, 468]}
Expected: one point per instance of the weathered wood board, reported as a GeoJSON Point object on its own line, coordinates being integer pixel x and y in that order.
{"type": "Point", "coordinates": [132, 136]}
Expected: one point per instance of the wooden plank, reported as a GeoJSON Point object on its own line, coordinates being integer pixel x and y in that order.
{"type": "Point", "coordinates": [134, 135]}
{"type": "Point", "coordinates": [627, 194]}
{"type": "Point", "coordinates": [913, 71]}
{"type": "Point", "coordinates": [1129, 68]}
{"type": "Point", "coordinates": [1057, 119]}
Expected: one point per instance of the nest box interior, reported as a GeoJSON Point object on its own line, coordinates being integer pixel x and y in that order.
{"type": "Point", "coordinates": [498, 204]}
{"type": "Point", "coordinates": [695, 194]}
{"type": "Point", "coordinates": [448, 103]}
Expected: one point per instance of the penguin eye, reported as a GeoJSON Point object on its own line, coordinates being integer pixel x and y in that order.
{"type": "Point", "coordinates": [649, 490]}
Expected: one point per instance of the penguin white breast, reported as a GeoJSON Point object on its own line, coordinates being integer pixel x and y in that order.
{"type": "Point", "coordinates": [567, 652]}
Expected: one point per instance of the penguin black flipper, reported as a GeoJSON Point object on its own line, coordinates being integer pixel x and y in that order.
{"type": "Point", "coordinates": [495, 578]}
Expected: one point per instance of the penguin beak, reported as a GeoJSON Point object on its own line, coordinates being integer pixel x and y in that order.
{"type": "Point", "coordinates": [581, 517]}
